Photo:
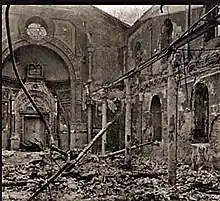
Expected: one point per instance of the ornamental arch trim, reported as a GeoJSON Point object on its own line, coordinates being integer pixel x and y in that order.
{"type": "Point", "coordinates": [64, 52]}
{"type": "Point", "coordinates": [198, 82]}
{"type": "Point", "coordinates": [156, 118]}
{"type": "Point", "coordinates": [151, 99]}
{"type": "Point", "coordinates": [55, 45]}
{"type": "Point", "coordinates": [200, 112]}
{"type": "Point", "coordinates": [41, 99]}
{"type": "Point", "coordinates": [47, 23]}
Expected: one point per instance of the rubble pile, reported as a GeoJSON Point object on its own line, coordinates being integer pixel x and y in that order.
{"type": "Point", "coordinates": [99, 179]}
{"type": "Point", "coordinates": [24, 172]}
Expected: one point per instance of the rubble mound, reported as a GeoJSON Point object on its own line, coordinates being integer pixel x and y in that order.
{"type": "Point", "coordinates": [103, 179]}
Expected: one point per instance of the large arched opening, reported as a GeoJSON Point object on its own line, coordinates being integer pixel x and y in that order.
{"type": "Point", "coordinates": [156, 118]}
{"type": "Point", "coordinates": [52, 84]}
{"type": "Point", "coordinates": [201, 113]}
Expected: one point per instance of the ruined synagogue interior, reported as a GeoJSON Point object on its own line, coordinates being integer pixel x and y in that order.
{"type": "Point", "coordinates": [132, 108]}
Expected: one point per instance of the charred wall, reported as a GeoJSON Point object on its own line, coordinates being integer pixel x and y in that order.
{"type": "Point", "coordinates": [69, 31]}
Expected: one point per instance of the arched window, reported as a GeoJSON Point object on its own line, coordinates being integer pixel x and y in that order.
{"type": "Point", "coordinates": [166, 33]}
{"type": "Point", "coordinates": [201, 113]}
{"type": "Point", "coordinates": [137, 53]}
{"type": "Point", "coordinates": [36, 28]}
{"type": "Point", "coordinates": [36, 31]}
{"type": "Point", "coordinates": [156, 117]}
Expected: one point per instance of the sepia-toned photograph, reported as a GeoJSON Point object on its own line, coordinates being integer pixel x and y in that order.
{"type": "Point", "coordinates": [110, 103]}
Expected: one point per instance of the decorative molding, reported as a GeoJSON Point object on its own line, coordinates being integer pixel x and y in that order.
{"type": "Point", "coordinates": [6, 93]}
{"type": "Point", "coordinates": [153, 83]}
{"type": "Point", "coordinates": [43, 99]}
{"type": "Point", "coordinates": [200, 66]}
{"type": "Point", "coordinates": [25, 20]}
{"type": "Point", "coordinates": [57, 46]}
{"type": "Point", "coordinates": [202, 61]}
{"type": "Point", "coordinates": [80, 54]}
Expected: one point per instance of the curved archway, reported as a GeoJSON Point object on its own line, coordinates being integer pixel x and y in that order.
{"type": "Point", "coordinates": [137, 52]}
{"type": "Point", "coordinates": [166, 33]}
{"type": "Point", "coordinates": [53, 66]}
{"type": "Point", "coordinates": [68, 57]}
{"type": "Point", "coordinates": [55, 45]}
{"type": "Point", "coordinates": [65, 53]}
{"type": "Point", "coordinates": [156, 118]}
{"type": "Point", "coordinates": [44, 100]}
{"type": "Point", "coordinates": [201, 113]}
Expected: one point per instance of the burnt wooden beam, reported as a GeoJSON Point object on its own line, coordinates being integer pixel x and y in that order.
{"type": "Point", "coordinates": [123, 150]}
{"type": "Point", "coordinates": [80, 156]}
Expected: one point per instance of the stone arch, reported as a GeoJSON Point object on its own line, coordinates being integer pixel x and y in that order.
{"type": "Point", "coordinates": [57, 46]}
{"type": "Point", "coordinates": [151, 99]}
{"type": "Point", "coordinates": [200, 113]}
{"type": "Point", "coordinates": [166, 33]}
{"type": "Point", "coordinates": [36, 19]}
{"type": "Point", "coordinates": [156, 118]}
{"type": "Point", "coordinates": [68, 57]}
{"type": "Point", "coordinates": [43, 100]}
{"type": "Point", "coordinates": [26, 116]}
{"type": "Point", "coordinates": [138, 52]}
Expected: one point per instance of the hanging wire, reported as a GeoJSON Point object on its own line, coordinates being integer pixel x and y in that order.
{"type": "Point", "coordinates": [203, 8]}
{"type": "Point", "coordinates": [157, 56]}
{"type": "Point", "coordinates": [201, 49]}
{"type": "Point", "coordinates": [196, 23]}
{"type": "Point", "coordinates": [7, 21]}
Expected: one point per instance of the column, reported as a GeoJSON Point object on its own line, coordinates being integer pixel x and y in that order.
{"type": "Point", "coordinates": [140, 133]}
{"type": "Point", "coordinates": [128, 124]}
{"type": "Point", "coordinates": [89, 103]}
{"type": "Point", "coordinates": [104, 119]}
{"type": "Point", "coordinates": [172, 127]}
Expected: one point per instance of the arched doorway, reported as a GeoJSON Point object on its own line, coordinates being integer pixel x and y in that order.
{"type": "Point", "coordinates": [166, 33]}
{"type": "Point", "coordinates": [28, 126]}
{"type": "Point", "coordinates": [156, 118]}
{"type": "Point", "coordinates": [201, 113]}
{"type": "Point", "coordinates": [47, 79]}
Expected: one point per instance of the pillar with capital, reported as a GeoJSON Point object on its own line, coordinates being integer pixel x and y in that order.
{"type": "Point", "coordinates": [89, 100]}
{"type": "Point", "coordinates": [14, 138]}
{"type": "Point", "coordinates": [128, 123]}
{"type": "Point", "coordinates": [172, 111]}
{"type": "Point", "coordinates": [104, 119]}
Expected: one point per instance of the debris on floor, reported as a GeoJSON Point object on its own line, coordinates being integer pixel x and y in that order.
{"type": "Point", "coordinates": [103, 179]}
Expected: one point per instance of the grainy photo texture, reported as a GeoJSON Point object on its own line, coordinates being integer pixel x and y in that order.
{"type": "Point", "coordinates": [117, 103]}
